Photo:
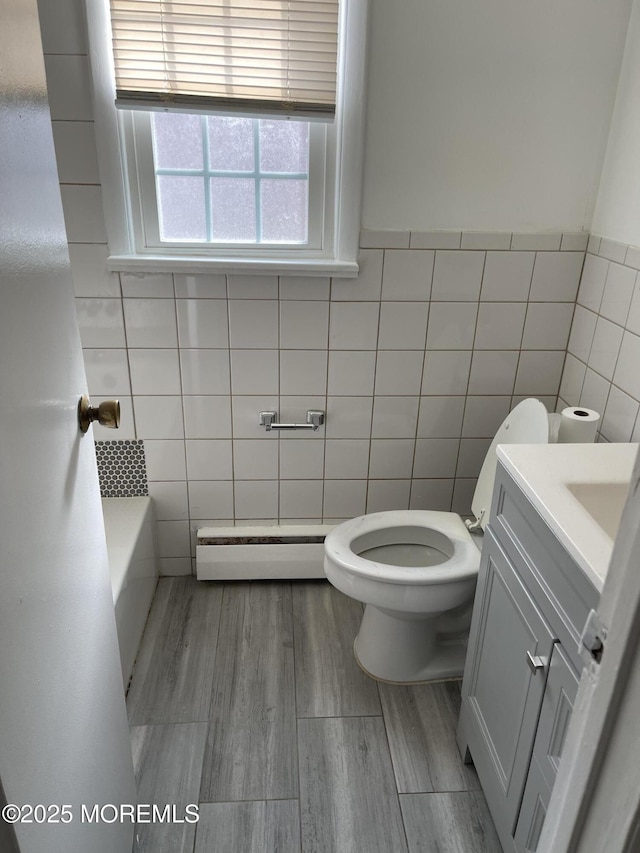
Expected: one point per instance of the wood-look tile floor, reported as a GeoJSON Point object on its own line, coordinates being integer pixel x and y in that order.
{"type": "Point", "coordinates": [247, 700]}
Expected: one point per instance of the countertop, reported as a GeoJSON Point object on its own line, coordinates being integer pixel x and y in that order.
{"type": "Point", "coordinates": [579, 490]}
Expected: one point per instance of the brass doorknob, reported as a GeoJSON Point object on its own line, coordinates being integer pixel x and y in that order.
{"type": "Point", "coordinates": [106, 413]}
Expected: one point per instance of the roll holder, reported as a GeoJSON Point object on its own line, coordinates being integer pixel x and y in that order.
{"type": "Point", "coordinates": [315, 419]}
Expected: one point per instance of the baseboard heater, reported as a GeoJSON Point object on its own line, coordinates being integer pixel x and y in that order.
{"type": "Point", "coordinates": [286, 552]}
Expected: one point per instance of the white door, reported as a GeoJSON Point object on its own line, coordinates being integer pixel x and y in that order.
{"type": "Point", "coordinates": [63, 728]}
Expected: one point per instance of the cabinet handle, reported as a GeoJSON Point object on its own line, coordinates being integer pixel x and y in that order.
{"type": "Point", "coordinates": [535, 662]}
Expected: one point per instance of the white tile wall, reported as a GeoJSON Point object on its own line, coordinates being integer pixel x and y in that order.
{"type": "Point", "coordinates": [416, 362]}
{"type": "Point", "coordinates": [602, 367]}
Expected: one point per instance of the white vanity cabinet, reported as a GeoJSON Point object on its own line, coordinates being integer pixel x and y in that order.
{"type": "Point", "coordinates": [522, 668]}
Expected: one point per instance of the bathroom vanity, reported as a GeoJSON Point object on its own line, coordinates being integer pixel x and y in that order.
{"type": "Point", "coordinates": [554, 516]}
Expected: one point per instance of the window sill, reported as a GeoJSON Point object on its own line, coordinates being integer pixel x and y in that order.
{"type": "Point", "coordinates": [261, 266]}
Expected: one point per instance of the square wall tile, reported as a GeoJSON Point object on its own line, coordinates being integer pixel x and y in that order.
{"type": "Point", "coordinates": [582, 332]}
{"type": "Point", "coordinates": [483, 416]}
{"type": "Point", "coordinates": [303, 372]}
{"type": "Point", "coordinates": [351, 373]}
{"type": "Point", "coordinates": [547, 325]}
{"type": "Point", "coordinates": [63, 27]}
{"type": "Point", "coordinates": [346, 459]}
{"type": "Point", "coordinates": [254, 371]}
{"type": "Point", "coordinates": [556, 276]}
{"type": "Point", "coordinates": [83, 213]}
{"type": "Point", "coordinates": [394, 417]}
{"type": "Point", "coordinates": [613, 250]}
{"type": "Point", "coordinates": [627, 374]}
{"type": "Point", "coordinates": [493, 372]}
{"type": "Point", "coordinates": [75, 145]}
{"type": "Point", "coordinates": [304, 325]}
{"type": "Point", "coordinates": [246, 415]}
{"type": "Point", "coordinates": [170, 501]}
{"type": "Point", "coordinates": [440, 417]}
{"type": "Point", "coordinates": [158, 417]}
{"type": "Point", "coordinates": [398, 373]}
{"type": "Point", "coordinates": [367, 284]}
{"type": "Point", "coordinates": [391, 458]}
{"type": "Point", "coordinates": [253, 324]}
{"type": "Point", "coordinates": [252, 286]}
{"type": "Point", "coordinates": [208, 417]}
{"type": "Point", "coordinates": [385, 495]}
{"type": "Point", "coordinates": [69, 87]}
{"type": "Point", "coordinates": [472, 454]}
{"type": "Point", "coordinates": [107, 371]}
{"type": "Point", "coordinates": [209, 460]}
{"type": "Point", "coordinates": [618, 291]}
{"type": "Point", "coordinates": [89, 271]}
{"type": "Point", "coordinates": [147, 285]}
{"type": "Point", "coordinates": [173, 539]}
{"type": "Point", "coordinates": [165, 459]}
{"type": "Point", "coordinates": [154, 371]}
{"type": "Point", "coordinates": [150, 322]}
{"type": "Point", "coordinates": [539, 373]}
{"type": "Point", "coordinates": [595, 391]}
{"type": "Point", "coordinates": [594, 276]}
{"type": "Point", "coordinates": [256, 500]}
{"type": "Point", "coordinates": [173, 567]}
{"type": "Point", "coordinates": [500, 325]}
{"type": "Point", "coordinates": [605, 348]}
{"type": "Point", "coordinates": [344, 498]}
{"type": "Point", "coordinates": [407, 275]}
{"type": "Point", "coordinates": [457, 276]}
{"type": "Point", "coordinates": [436, 458]}
{"type": "Point", "coordinates": [304, 287]}
{"type": "Point", "coordinates": [354, 325]}
{"type": "Point", "coordinates": [301, 498]}
{"type": "Point", "coordinates": [254, 459]}
{"type": "Point", "coordinates": [572, 380]}
{"type": "Point", "coordinates": [403, 325]}
{"type": "Point", "coordinates": [200, 286]}
{"type": "Point", "coordinates": [507, 276]}
{"type": "Point", "coordinates": [452, 325]}
{"type": "Point", "coordinates": [463, 495]}
{"type": "Point", "coordinates": [349, 417]}
{"type": "Point", "coordinates": [633, 320]}
{"type": "Point", "coordinates": [431, 494]}
{"type": "Point", "coordinates": [211, 499]}
{"type": "Point", "coordinates": [203, 323]}
{"type": "Point", "coordinates": [446, 372]}
{"type": "Point", "coordinates": [301, 460]}
{"type": "Point", "coordinates": [620, 416]}
{"type": "Point", "coordinates": [101, 323]}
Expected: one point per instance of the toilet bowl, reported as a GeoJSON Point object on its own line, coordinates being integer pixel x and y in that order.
{"type": "Point", "coordinates": [416, 571]}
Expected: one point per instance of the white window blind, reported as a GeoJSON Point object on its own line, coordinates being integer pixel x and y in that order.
{"type": "Point", "coordinates": [247, 56]}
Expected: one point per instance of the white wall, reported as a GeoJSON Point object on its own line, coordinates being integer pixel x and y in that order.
{"type": "Point", "coordinates": [492, 115]}
{"type": "Point", "coordinates": [617, 214]}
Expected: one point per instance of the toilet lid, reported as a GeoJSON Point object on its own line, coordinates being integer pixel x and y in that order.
{"type": "Point", "coordinates": [528, 423]}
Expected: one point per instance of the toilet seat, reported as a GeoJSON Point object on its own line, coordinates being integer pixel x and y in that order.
{"type": "Point", "coordinates": [381, 528]}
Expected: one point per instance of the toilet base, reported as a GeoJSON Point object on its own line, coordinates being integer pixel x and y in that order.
{"type": "Point", "coordinates": [407, 650]}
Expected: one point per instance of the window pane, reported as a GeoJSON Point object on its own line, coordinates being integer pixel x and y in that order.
{"type": "Point", "coordinates": [233, 210]}
{"type": "Point", "coordinates": [284, 210]}
{"type": "Point", "coordinates": [181, 208]}
{"type": "Point", "coordinates": [231, 144]}
{"type": "Point", "coordinates": [284, 146]}
{"type": "Point", "coordinates": [178, 143]}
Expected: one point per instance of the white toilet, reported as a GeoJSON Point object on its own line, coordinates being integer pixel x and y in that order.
{"type": "Point", "coordinates": [416, 570]}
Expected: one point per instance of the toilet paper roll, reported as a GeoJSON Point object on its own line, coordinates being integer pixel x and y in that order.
{"type": "Point", "coordinates": [578, 425]}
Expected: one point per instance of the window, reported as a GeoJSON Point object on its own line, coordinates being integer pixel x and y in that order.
{"type": "Point", "coordinates": [229, 189]}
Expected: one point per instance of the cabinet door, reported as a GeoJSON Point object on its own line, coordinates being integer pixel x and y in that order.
{"type": "Point", "coordinates": [557, 705]}
{"type": "Point", "coordinates": [501, 692]}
